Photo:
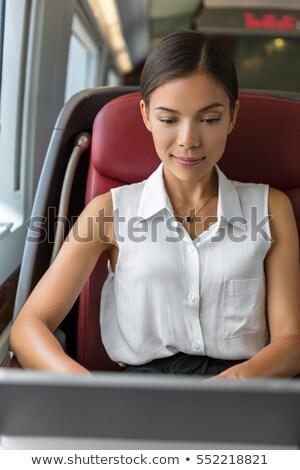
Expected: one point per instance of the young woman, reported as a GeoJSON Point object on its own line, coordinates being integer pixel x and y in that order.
{"type": "Point", "coordinates": [199, 292]}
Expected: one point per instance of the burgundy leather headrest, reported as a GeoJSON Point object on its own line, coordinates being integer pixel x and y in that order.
{"type": "Point", "coordinates": [122, 147]}
{"type": "Point", "coordinates": [264, 146]}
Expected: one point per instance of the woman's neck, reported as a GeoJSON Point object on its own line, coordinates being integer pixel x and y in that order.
{"type": "Point", "coordinates": [189, 193]}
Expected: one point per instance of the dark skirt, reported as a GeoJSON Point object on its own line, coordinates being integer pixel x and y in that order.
{"type": "Point", "coordinates": [185, 364]}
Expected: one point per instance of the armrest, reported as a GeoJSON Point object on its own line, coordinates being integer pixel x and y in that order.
{"type": "Point", "coordinates": [10, 361]}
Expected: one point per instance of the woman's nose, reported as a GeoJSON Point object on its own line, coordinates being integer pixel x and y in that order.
{"type": "Point", "coordinates": [188, 136]}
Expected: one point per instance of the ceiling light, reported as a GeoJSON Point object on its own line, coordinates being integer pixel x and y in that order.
{"type": "Point", "coordinates": [107, 15]}
{"type": "Point", "coordinates": [279, 43]}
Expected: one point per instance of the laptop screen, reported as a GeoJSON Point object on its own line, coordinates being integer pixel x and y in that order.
{"type": "Point", "coordinates": [131, 410]}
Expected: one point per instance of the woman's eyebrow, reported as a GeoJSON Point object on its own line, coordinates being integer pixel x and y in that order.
{"type": "Point", "coordinates": [213, 105]}
{"type": "Point", "coordinates": [206, 108]}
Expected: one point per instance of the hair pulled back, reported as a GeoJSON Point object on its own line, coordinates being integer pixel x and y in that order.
{"type": "Point", "coordinates": [183, 53]}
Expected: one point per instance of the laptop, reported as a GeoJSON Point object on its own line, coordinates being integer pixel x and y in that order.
{"type": "Point", "coordinates": [112, 410]}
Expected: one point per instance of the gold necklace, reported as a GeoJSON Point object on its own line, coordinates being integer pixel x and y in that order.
{"type": "Point", "coordinates": [188, 218]}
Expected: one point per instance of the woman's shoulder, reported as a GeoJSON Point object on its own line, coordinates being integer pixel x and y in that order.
{"type": "Point", "coordinates": [105, 201]}
{"type": "Point", "coordinates": [279, 198]}
{"type": "Point", "coordinates": [127, 198]}
{"type": "Point", "coordinates": [248, 186]}
{"type": "Point", "coordinates": [130, 189]}
{"type": "Point", "coordinates": [279, 203]}
{"type": "Point", "coordinates": [282, 218]}
{"type": "Point", "coordinates": [252, 193]}
{"type": "Point", "coordinates": [102, 202]}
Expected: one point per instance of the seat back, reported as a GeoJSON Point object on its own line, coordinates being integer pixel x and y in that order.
{"type": "Point", "coordinates": [263, 148]}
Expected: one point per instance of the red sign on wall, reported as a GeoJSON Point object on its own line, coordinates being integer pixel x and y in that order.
{"type": "Point", "coordinates": [270, 21]}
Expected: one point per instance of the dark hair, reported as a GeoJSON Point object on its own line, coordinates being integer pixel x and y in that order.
{"type": "Point", "coordinates": [183, 53]}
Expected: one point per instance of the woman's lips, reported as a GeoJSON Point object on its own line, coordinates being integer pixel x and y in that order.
{"type": "Point", "coordinates": [188, 161]}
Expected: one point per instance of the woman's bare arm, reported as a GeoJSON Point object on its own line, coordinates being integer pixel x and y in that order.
{"type": "Point", "coordinates": [281, 358]}
{"type": "Point", "coordinates": [31, 337]}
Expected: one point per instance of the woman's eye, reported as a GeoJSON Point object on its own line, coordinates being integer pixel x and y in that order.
{"type": "Point", "coordinates": [167, 120]}
{"type": "Point", "coordinates": [210, 121]}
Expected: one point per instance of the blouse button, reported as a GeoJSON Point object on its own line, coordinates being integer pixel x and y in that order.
{"type": "Point", "coordinates": [196, 346]}
{"type": "Point", "coordinates": [191, 248]}
{"type": "Point", "coordinates": [191, 298]}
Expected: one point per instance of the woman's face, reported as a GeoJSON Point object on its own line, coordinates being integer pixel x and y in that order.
{"type": "Point", "coordinates": [190, 119]}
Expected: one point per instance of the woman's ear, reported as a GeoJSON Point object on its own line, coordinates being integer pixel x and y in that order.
{"type": "Point", "coordinates": [234, 114]}
{"type": "Point", "coordinates": [145, 114]}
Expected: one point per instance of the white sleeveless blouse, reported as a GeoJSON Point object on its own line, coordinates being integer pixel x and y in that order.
{"type": "Point", "coordinates": [170, 293]}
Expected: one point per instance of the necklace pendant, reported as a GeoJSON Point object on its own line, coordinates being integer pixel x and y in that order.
{"type": "Point", "coordinates": [188, 219]}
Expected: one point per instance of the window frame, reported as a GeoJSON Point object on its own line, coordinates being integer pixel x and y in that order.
{"type": "Point", "coordinates": [11, 107]}
{"type": "Point", "coordinates": [95, 52]}
{"type": "Point", "coordinates": [2, 16]}
{"type": "Point", "coordinates": [113, 78]}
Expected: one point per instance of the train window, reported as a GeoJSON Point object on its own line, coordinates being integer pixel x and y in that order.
{"type": "Point", "coordinates": [83, 60]}
{"type": "Point", "coordinates": [113, 78]}
{"type": "Point", "coordinates": [2, 9]}
{"type": "Point", "coordinates": [14, 42]}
